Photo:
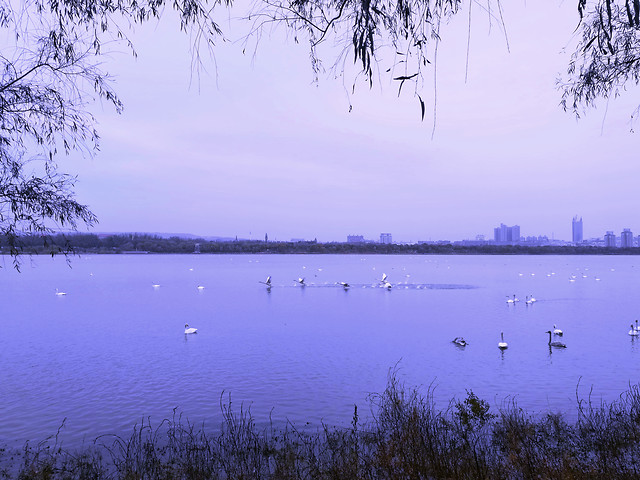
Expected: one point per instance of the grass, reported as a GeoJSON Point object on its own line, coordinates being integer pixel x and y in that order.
{"type": "Point", "coordinates": [407, 438]}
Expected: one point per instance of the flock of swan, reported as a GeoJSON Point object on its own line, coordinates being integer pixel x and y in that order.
{"type": "Point", "coordinates": [502, 345]}
{"type": "Point", "coordinates": [300, 281]}
{"type": "Point", "coordinates": [384, 282]}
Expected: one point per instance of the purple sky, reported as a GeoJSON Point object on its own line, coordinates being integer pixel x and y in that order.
{"type": "Point", "coordinates": [257, 147]}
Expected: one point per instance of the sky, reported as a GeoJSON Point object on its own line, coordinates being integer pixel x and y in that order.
{"type": "Point", "coordinates": [253, 145]}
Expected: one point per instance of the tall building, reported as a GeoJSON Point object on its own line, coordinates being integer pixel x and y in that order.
{"type": "Point", "coordinates": [626, 238]}
{"type": "Point", "coordinates": [385, 238]}
{"type": "Point", "coordinates": [504, 234]}
{"type": "Point", "coordinates": [576, 230]}
{"type": "Point", "coordinates": [513, 235]}
{"type": "Point", "coordinates": [609, 239]}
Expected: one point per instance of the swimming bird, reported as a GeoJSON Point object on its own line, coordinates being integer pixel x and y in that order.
{"type": "Point", "coordinates": [513, 300]}
{"type": "Point", "coordinates": [344, 285]}
{"type": "Point", "coordinates": [188, 330]}
{"type": "Point", "coordinates": [300, 281]}
{"type": "Point", "coordinates": [528, 301]}
{"type": "Point", "coordinates": [633, 332]}
{"type": "Point", "coordinates": [502, 345]}
{"type": "Point", "coordinates": [461, 342]}
{"type": "Point", "coordinates": [156, 285]}
{"type": "Point", "coordinates": [557, 331]}
{"type": "Point", "coordinates": [267, 282]}
{"type": "Point", "coordinates": [532, 299]}
{"type": "Point", "coordinates": [200, 287]}
{"type": "Point", "coordinates": [59, 293]}
{"type": "Point", "coordinates": [555, 344]}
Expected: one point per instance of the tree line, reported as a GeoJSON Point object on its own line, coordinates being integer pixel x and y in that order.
{"type": "Point", "coordinates": [146, 243]}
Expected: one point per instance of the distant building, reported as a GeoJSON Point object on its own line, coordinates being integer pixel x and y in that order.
{"type": "Point", "coordinates": [355, 239]}
{"type": "Point", "coordinates": [535, 241]}
{"type": "Point", "coordinates": [385, 238]}
{"type": "Point", "coordinates": [609, 239]}
{"type": "Point", "coordinates": [626, 238]}
{"type": "Point", "coordinates": [576, 230]}
{"type": "Point", "coordinates": [504, 234]}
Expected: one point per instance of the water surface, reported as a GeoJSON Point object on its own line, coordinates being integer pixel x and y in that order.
{"type": "Point", "coordinates": [112, 350]}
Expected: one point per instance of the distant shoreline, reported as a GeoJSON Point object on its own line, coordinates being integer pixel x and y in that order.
{"type": "Point", "coordinates": [150, 244]}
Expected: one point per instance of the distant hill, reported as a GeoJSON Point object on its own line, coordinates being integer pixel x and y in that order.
{"type": "Point", "coordinates": [184, 236]}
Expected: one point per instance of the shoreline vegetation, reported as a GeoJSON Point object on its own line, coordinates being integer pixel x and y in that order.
{"type": "Point", "coordinates": [80, 243]}
{"type": "Point", "coordinates": [406, 438]}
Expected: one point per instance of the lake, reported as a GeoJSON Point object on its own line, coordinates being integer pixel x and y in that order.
{"type": "Point", "coordinates": [113, 351]}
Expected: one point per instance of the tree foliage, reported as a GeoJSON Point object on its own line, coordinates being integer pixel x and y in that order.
{"type": "Point", "coordinates": [51, 71]}
{"type": "Point", "coordinates": [607, 58]}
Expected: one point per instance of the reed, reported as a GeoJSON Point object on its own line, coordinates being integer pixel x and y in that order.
{"type": "Point", "coordinates": [407, 437]}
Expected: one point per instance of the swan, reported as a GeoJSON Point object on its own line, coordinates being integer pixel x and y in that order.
{"type": "Point", "coordinates": [637, 329]}
{"type": "Point", "coordinates": [513, 300]}
{"type": "Point", "coordinates": [557, 331]}
{"type": "Point", "coordinates": [502, 345]}
{"type": "Point", "coordinates": [344, 285]}
{"type": "Point", "coordinates": [528, 300]}
{"type": "Point", "coordinates": [156, 285]}
{"type": "Point", "coordinates": [555, 344]}
{"type": "Point", "coordinates": [188, 329]}
{"type": "Point", "coordinates": [384, 278]}
{"type": "Point", "coordinates": [301, 281]}
{"type": "Point", "coordinates": [59, 293]}
{"type": "Point", "coordinates": [267, 282]}
{"type": "Point", "coordinates": [461, 342]}
{"type": "Point", "coordinates": [387, 285]}
{"type": "Point", "coordinates": [200, 287]}
{"type": "Point", "coordinates": [532, 299]}
{"type": "Point", "coordinates": [633, 332]}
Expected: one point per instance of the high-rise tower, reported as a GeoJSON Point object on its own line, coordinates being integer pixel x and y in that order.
{"type": "Point", "coordinates": [576, 230]}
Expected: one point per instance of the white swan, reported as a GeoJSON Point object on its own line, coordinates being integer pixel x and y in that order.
{"type": "Point", "coordinates": [511, 301]}
{"type": "Point", "coordinates": [528, 301]}
{"type": "Point", "coordinates": [267, 282]}
{"type": "Point", "coordinates": [532, 299]}
{"type": "Point", "coordinates": [502, 345]}
{"type": "Point", "coordinates": [344, 285]}
{"type": "Point", "coordinates": [59, 293]}
{"type": "Point", "coordinates": [633, 332]}
{"type": "Point", "coordinates": [555, 344]}
{"type": "Point", "coordinates": [188, 330]}
{"type": "Point", "coordinates": [300, 281]}
{"type": "Point", "coordinates": [557, 331]}
{"type": "Point", "coordinates": [200, 287]}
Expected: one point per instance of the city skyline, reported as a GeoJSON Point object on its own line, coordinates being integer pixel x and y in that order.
{"type": "Point", "coordinates": [501, 234]}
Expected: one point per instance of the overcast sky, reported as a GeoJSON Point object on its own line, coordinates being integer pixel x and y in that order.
{"type": "Point", "coordinates": [255, 146]}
